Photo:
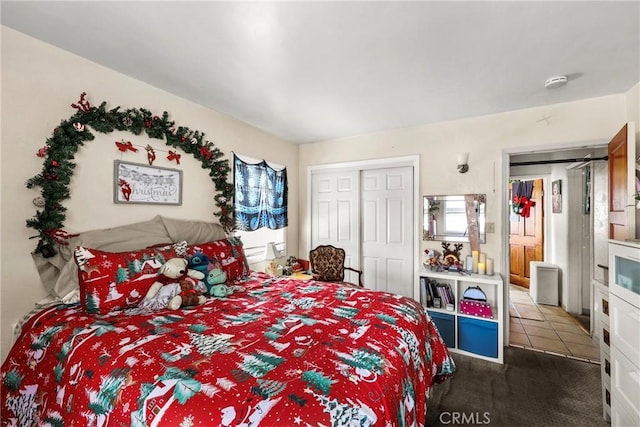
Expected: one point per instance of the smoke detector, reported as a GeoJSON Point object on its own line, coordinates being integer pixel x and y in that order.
{"type": "Point", "coordinates": [556, 81]}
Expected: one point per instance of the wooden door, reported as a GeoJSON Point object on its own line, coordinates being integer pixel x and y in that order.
{"type": "Point", "coordinates": [526, 239]}
{"type": "Point", "coordinates": [387, 230]}
{"type": "Point", "coordinates": [618, 187]}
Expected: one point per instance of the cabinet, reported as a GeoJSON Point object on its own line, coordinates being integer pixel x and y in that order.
{"type": "Point", "coordinates": [601, 331]}
{"type": "Point", "coordinates": [475, 336]}
{"type": "Point", "coordinates": [624, 323]}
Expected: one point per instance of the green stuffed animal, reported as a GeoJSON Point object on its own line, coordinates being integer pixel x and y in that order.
{"type": "Point", "coordinates": [215, 283]}
{"type": "Point", "coordinates": [220, 291]}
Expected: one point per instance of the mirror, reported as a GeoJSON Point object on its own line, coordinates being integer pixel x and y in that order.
{"type": "Point", "coordinates": [451, 218]}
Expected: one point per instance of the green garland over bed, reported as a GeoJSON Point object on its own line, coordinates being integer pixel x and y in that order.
{"type": "Point", "coordinates": [61, 147]}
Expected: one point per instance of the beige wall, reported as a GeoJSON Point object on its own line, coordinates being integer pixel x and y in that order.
{"type": "Point", "coordinates": [39, 82]}
{"type": "Point", "coordinates": [632, 98]}
{"type": "Point", "coordinates": [486, 138]}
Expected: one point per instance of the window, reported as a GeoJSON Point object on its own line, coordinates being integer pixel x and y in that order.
{"type": "Point", "coordinates": [260, 204]}
{"type": "Point", "coordinates": [455, 217]}
{"type": "Point", "coordinates": [255, 241]}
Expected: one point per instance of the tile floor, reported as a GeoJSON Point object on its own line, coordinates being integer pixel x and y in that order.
{"type": "Point", "coordinates": [549, 329]}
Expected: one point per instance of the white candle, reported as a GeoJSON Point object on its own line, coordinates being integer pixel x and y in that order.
{"type": "Point", "coordinates": [490, 266]}
{"type": "Point", "coordinates": [469, 264]}
{"type": "Point", "coordinates": [481, 268]}
{"type": "Point", "coordinates": [474, 255]}
{"type": "Point", "coordinates": [482, 258]}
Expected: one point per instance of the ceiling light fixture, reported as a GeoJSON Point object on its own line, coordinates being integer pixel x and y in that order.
{"type": "Point", "coordinates": [556, 81]}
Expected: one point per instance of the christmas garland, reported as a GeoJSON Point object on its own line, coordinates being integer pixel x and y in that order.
{"type": "Point", "coordinates": [63, 144]}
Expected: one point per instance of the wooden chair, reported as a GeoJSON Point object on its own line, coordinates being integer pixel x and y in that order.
{"type": "Point", "coordinates": [327, 265]}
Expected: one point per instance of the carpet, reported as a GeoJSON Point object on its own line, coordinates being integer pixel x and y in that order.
{"type": "Point", "coordinates": [530, 389]}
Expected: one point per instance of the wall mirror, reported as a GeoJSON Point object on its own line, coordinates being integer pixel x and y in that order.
{"type": "Point", "coordinates": [452, 218]}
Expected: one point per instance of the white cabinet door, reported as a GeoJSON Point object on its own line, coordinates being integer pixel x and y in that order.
{"type": "Point", "coordinates": [387, 229]}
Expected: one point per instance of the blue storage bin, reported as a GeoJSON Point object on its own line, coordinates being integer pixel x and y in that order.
{"type": "Point", "coordinates": [446, 326]}
{"type": "Point", "coordinates": [478, 336]}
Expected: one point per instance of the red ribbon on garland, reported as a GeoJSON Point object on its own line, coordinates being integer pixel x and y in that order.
{"type": "Point", "coordinates": [126, 146]}
{"type": "Point", "coordinates": [173, 156]}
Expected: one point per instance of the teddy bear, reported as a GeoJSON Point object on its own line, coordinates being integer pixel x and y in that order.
{"type": "Point", "coordinates": [188, 295]}
{"type": "Point", "coordinates": [165, 291]}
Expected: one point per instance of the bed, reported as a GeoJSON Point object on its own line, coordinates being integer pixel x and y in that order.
{"type": "Point", "coordinates": [276, 352]}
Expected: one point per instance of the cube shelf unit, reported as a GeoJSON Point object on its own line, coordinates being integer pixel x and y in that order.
{"type": "Point", "coordinates": [467, 334]}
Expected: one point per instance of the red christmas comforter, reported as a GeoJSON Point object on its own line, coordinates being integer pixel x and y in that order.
{"type": "Point", "coordinates": [278, 352]}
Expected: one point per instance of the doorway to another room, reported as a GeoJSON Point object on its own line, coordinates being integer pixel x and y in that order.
{"type": "Point", "coordinates": [556, 232]}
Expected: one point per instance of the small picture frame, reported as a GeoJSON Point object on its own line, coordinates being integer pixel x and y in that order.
{"type": "Point", "coordinates": [556, 196]}
{"type": "Point", "coordinates": [135, 183]}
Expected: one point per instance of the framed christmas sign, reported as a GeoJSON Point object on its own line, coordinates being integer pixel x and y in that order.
{"type": "Point", "coordinates": [140, 183]}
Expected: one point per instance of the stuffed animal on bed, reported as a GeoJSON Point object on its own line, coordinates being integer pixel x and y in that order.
{"type": "Point", "coordinates": [165, 291]}
{"type": "Point", "coordinates": [188, 295]}
{"type": "Point", "coordinates": [213, 272]}
{"type": "Point", "coordinates": [220, 291]}
{"type": "Point", "coordinates": [200, 262]}
{"type": "Point", "coordinates": [215, 282]}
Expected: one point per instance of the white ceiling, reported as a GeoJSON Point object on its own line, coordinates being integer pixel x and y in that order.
{"type": "Point", "coordinates": [310, 71]}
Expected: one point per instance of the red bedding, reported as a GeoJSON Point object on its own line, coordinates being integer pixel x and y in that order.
{"type": "Point", "coordinates": [278, 352]}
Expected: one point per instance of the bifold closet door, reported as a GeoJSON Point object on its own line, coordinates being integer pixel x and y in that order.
{"type": "Point", "coordinates": [387, 229]}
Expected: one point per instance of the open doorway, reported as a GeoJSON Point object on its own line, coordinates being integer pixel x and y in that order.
{"type": "Point", "coordinates": [568, 229]}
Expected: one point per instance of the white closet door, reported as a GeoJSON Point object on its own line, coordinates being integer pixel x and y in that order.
{"type": "Point", "coordinates": [387, 229]}
{"type": "Point", "coordinates": [335, 213]}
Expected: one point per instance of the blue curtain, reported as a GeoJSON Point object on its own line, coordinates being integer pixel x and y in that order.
{"type": "Point", "coordinates": [260, 196]}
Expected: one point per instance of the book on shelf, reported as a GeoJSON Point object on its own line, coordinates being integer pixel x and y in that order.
{"type": "Point", "coordinates": [443, 292]}
{"type": "Point", "coordinates": [432, 288]}
{"type": "Point", "coordinates": [426, 297]}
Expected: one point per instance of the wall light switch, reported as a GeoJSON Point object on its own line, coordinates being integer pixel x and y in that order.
{"type": "Point", "coordinates": [490, 227]}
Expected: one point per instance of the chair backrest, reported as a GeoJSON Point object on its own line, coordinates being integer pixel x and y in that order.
{"type": "Point", "coordinates": [328, 263]}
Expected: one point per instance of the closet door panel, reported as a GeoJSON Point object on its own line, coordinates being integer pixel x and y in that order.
{"type": "Point", "coordinates": [335, 212]}
{"type": "Point", "coordinates": [387, 208]}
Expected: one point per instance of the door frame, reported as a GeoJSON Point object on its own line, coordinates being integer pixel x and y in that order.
{"type": "Point", "coordinates": [412, 161]}
{"type": "Point", "coordinates": [504, 207]}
